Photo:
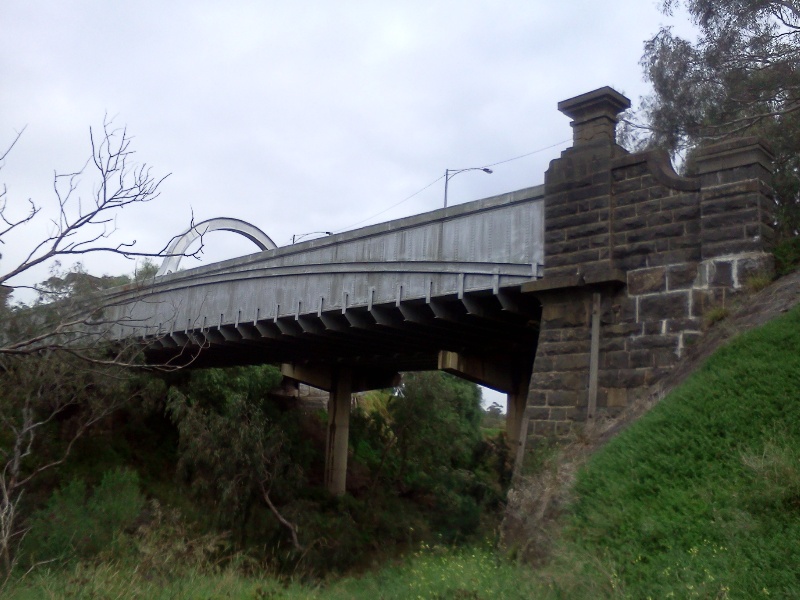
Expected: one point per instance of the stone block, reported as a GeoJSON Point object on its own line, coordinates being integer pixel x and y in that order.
{"type": "Point", "coordinates": [681, 277]}
{"type": "Point", "coordinates": [653, 342]}
{"type": "Point", "coordinates": [665, 358]}
{"type": "Point", "coordinates": [723, 234]}
{"type": "Point", "coordinates": [565, 397]}
{"type": "Point", "coordinates": [647, 208]}
{"type": "Point", "coordinates": [703, 300]}
{"type": "Point", "coordinates": [623, 329]}
{"type": "Point", "coordinates": [543, 428]}
{"type": "Point", "coordinates": [565, 413]}
{"type": "Point", "coordinates": [690, 338]}
{"type": "Point", "coordinates": [552, 381]}
{"type": "Point", "coordinates": [573, 220]}
{"type": "Point", "coordinates": [615, 360]}
{"type": "Point", "coordinates": [563, 428]}
{"type": "Point", "coordinates": [611, 344]}
{"type": "Point", "coordinates": [733, 246]}
{"type": "Point", "coordinates": [653, 327]}
{"type": "Point", "coordinates": [536, 397]}
{"type": "Point", "coordinates": [570, 362]}
{"type": "Point", "coordinates": [760, 230]}
{"type": "Point", "coordinates": [577, 334]}
{"type": "Point", "coordinates": [629, 171]}
{"type": "Point", "coordinates": [728, 199]}
{"type": "Point", "coordinates": [670, 305]}
{"type": "Point", "coordinates": [639, 359]}
{"type": "Point", "coordinates": [578, 244]}
{"type": "Point", "coordinates": [746, 268]}
{"type": "Point", "coordinates": [565, 315]}
{"type": "Point", "coordinates": [721, 274]}
{"type": "Point", "coordinates": [548, 334]}
{"type": "Point", "coordinates": [668, 230]}
{"type": "Point", "coordinates": [566, 347]}
{"type": "Point", "coordinates": [573, 258]}
{"type": "Point", "coordinates": [672, 256]}
{"type": "Point", "coordinates": [680, 202]}
{"type": "Point", "coordinates": [588, 230]}
{"type": "Point", "coordinates": [537, 413]}
{"type": "Point", "coordinates": [662, 217]}
{"type": "Point", "coordinates": [689, 240]}
{"type": "Point", "coordinates": [622, 378]}
{"type": "Point", "coordinates": [626, 185]}
{"type": "Point", "coordinates": [730, 217]}
{"type": "Point", "coordinates": [625, 212]}
{"type": "Point", "coordinates": [647, 281]}
{"type": "Point", "coordinates": [630, 224]}
{"type": "Point", "coordinates": [616, 397]}
{"type": "Point", "coordinates": [689, 213]}
{"type": "Point", "coordinates": [687, 324]}
{"type": "Point", "coordinates": [597, 203]}
{"type": "Point", "coordinates": [629, 261]}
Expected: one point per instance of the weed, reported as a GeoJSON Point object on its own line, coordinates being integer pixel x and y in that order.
{"type": "Point", "coordinates": [757, 282]}
{"type": "Point", "coordinates": [715, 314]}
{"type": "Point", "coordinates": [787, 256]}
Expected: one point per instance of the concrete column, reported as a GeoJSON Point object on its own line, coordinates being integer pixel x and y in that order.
{"type": "Point", "coordinates": [338, 432]}
{"type": "Point", "coordinates": [516, 422]}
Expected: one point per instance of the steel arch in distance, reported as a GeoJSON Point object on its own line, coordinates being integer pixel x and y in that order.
{"type": "Point", "coordinates": [180, 244]}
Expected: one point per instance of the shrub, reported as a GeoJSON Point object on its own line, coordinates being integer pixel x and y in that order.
{"type": "Point", "coordinates": [73, 525]}
{"type": "Point", "coordinates": [787, 256]}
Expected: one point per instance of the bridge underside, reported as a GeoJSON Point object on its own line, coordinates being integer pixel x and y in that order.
{"type": "Point", "coordinates": [498, 331]}
{"type": "Point", "coordinates": [487, 337]}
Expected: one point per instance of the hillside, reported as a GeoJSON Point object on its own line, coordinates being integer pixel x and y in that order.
{"type": "Point", "coordinates": [693, 493]}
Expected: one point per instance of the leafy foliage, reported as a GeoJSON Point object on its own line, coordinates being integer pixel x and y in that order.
{"type": "Point", "coordinates": [740, 77]}
{"type": "Point", "coordinates": [229, 441]}
{"type": "Point", "coordinates": [75, 525]}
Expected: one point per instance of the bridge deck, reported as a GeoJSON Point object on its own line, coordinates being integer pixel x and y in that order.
{"type": "Point", "coordinates": [390, 294]}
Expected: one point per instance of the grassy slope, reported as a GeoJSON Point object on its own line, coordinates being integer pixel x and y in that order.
{"type": "Point", "coordinates": [701, 497]}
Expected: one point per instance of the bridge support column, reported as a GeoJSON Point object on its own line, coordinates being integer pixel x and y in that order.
{"type": "Point", "coordinates": [516, 421]}
{"type": "Point", "coordinates": [338, 432]}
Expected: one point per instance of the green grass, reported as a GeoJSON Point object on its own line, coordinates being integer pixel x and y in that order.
{"type": "Point", "coordinates": [701, 497]}
{"type": "Point", "coordinates": [431, 573]}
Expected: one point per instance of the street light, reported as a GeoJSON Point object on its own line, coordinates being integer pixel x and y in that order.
{"type": "Point", "coordinates": [449, 173]}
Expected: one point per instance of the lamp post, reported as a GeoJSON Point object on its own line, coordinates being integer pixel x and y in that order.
{"type": "Point", "coordinates": [450, 173]}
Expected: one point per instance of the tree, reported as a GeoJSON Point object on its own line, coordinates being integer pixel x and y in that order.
{"type": "Point", "coordinates": [55, 370]}
{"type": "Point", "coordinates": [81, 225]}
{"type": "Point", "coordinates": [740, 77]}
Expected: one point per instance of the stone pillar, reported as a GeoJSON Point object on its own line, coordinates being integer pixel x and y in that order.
{"type": "Point", "coordinates": [735, 212]}
{"type": "Point", "coordinates": [635, 256]}
{"type": "Point", "coordinates": [338, 432]}
{"type": "Point", "coordinates": [577, 187]}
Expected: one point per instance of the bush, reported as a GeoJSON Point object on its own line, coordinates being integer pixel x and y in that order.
{"type": "Point", "coordinates": [787, 256]}
{"type": "Point", "coordinates": [74, 526]}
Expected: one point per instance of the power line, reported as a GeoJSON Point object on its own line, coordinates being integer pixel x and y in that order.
{"type": "Point", "coordinates": [530, 153]}
{"type": "Point", "coordinates": [438, 179]}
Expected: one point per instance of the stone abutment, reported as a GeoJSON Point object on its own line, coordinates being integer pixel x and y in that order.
{"type": "Point", "coordinates": [635, 257]}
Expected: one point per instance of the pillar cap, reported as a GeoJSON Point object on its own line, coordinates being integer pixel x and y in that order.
{"type": "Point", "coordinates": [735, 153]}
{"type": "Point", "coordinates": [594, 114]}
{"type": "Point", "coordinates": [604, 101]}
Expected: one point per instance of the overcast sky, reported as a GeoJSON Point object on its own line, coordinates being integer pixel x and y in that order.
{"type": "Point", "coordinates": [302, 116]}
